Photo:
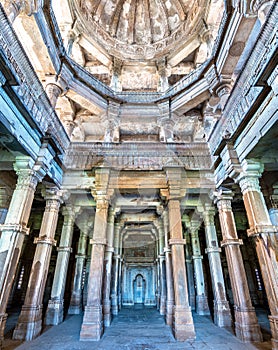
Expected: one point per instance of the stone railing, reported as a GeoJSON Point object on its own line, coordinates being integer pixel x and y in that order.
{"type": "Point", "coordinates": [246, 91]}
{"type": "Point", "coordinates": [138, 156]}
{"type": "Point", "coordinates": [29, 88]}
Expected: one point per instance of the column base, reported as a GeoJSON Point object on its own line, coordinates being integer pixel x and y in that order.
{"type": "Point", "coordinates": [202, 307]}
{"type": "Point", "coordinates": [75, 310]}
{"type": "Point", "coordinates": [169, 313]}
{"type": "Point", "coordinates": [3, 320]}
{"type": "Point", "coordinates": [54, 313]}
{"type": "Point", "coordinates": [273, 320]}
{"type": "Point", "coordinates": [183, 326]}
{"type": "Point", "coordinates": [222, 314]}
{"type": "Point", "coordinates": [92, 326]}
{"type": "Point", "coordinates": [247, 328]}
{"type": "Point", "coordinates": [29, 323]}
{"type": "Point", "coordinates": [107, 317]}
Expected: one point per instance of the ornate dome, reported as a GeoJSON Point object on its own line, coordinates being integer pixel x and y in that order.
{"type": "Point", "coordinates": [140, 29]}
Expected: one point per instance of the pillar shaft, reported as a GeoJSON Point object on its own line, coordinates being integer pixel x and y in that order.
{"type": "Point", "coordinates": [30, 319]}
{"type": "Point", "coordinates": [183, 326]}
{"type": "Point", "coordinates": [202, 307]}
{"type": "Point", "coordinates": [169, 273]}
{"type": "Point", "coordinates": [115, 272]}
{"type": "Point", "coordinates": [222, 314]}
{"type": "Point", "coordinates": [76, 295]}
{"type": "Point", "coordinates": [246, 323]}
{"type": "Point", "coordinates": [92, 326]}
{"type": "Point", "coordinates": [190, 272]}
{"type": "Point", "coordinates": [55, 308]}
{"type": "Point", "coordinates": [107, 315]}
{"type": "Point", "coordinates": [265, 237]}
{"type": "Point", "coordinates": [14, 229]}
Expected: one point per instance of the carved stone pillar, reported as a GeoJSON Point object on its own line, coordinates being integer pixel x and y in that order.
{"type": "Point", "coordinates": [86, 281]}
{"type": "Point", "coordinates": [264, 235]}
{"type": "Point", "coordinates": [92, 326]}
{"type": "Point", "coordinates": [12, 8]}
{"type": "Point", "coordinates": [169, 272]}
{"type": "Point", "coordinates": [75, 307]}
{"type": "Point", "coordinates": [202, 307]}
{"type": "Point", "coordinates": [29, 323]}
{"type": "Point", "coordinates": [246, 323]}
{"type": "Point", "coordinates": [183, 326]}
{"type": "Point", "coordinates": [116, 83]}
{"type": "Point", "coordinates": [163, 80]}
{"type": "Point", "coordinates": [5, 198]}
{"type": "Point", "coordinates": [55, 308]}
{"type": "Point", "coordinates": [107, 269]}
{"type": "Point", "coordinates": [115, 271]}
{"type": "Point", "coordinates": [222, 314]}
{"type": "Point", "coordinates": [162, 268]}
{"type": "Point", "coordinates": [190, 271]}
{"type": "Point", "coordinates": [53, 92]}
{"type": "Point", "coordinates": [14, 229]}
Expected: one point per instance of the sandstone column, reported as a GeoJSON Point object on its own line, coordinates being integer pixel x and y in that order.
{"type": "Point", "coordinates": [264, 235]}
{"type": "Point", "coordinates": [92, 326]}
{"type": "Point", "coordinates": [169, 272]}
{"type": "Point", "coordinates": [222, 314]}
{"type": "Point", "coordinates": [5, 198]}
{"type": "Point", "coordinates": [115, 271]}
{"type": "Point", "coordinates": [107, 269]}
{"type": "Point", "coordinates": [15, 228]}
{"type": "Point", "coordinates": [76, 295]}
{"type": "Point", "coordinates": [30, 319]}
{"type": "Point", "coordinates": [55, 308]}
{"type": "Point", "coordinates": [202, 307]}
{"type": "Point", "coordinates": [190, 271]}
{"type": "Point", "coordinates": [246, 323]}
{"type": "Point", "coordinates": [183, 326]}
{"type": "Point", "coordinates": [162, 270]}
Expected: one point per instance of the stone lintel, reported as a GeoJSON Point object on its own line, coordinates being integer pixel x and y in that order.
{"type": "Point", "coordinates": [228, 242]}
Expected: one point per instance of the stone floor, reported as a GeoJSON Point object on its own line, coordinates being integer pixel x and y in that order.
{"type": "Point", "coordinates": [137, 328]}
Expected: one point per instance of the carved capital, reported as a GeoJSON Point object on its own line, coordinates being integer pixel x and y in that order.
{"type": "Point", "coordinates": [229, 242]}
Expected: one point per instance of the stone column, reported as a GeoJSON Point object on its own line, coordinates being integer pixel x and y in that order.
{"type": "Point", "coordinates": [55, 308]}
{"type": "Point", "coordinates": [92, 326]}
{"type": "Point", "coordinates": [202, 307]}
{"type": "Point", "coordinates": [222, 314]}
{"type": "Point", "coordinates": [169, 272]}
{"type": "Point", "coordinates": [246, 323]}
{"type": "Point", "coordinates": [107, 269]}
{"type": "Point", "coordinates": [29, 323]}
{"type": "Point", "coordinates": [264, 235]}
{"type": "Point", "coordinates": [53, 92]}
{"type": "Point", "coordinates": [190, 271]}
{"type": "Point", "coordinates": [5, 198]}
{"type": "Point", "coordinates": [162, 268]}
{"type": "Point", "coordinates": [12, 8]}
{"type": "Point", "coordinates": [75, 307]}
{"type": "Point", "coordinates": [183, 326]}
{"type": "Point", "coordinates": [86, 282]}
{"type": "Point", "coordinates": [273, 211]}
{"type": "Point", "coordinates": [115, 271]}
{"type": "Point", "coordinates": [14, 229]}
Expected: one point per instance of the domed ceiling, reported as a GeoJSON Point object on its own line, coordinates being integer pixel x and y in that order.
{"type": "Point", "coordinates": [140, 29]}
